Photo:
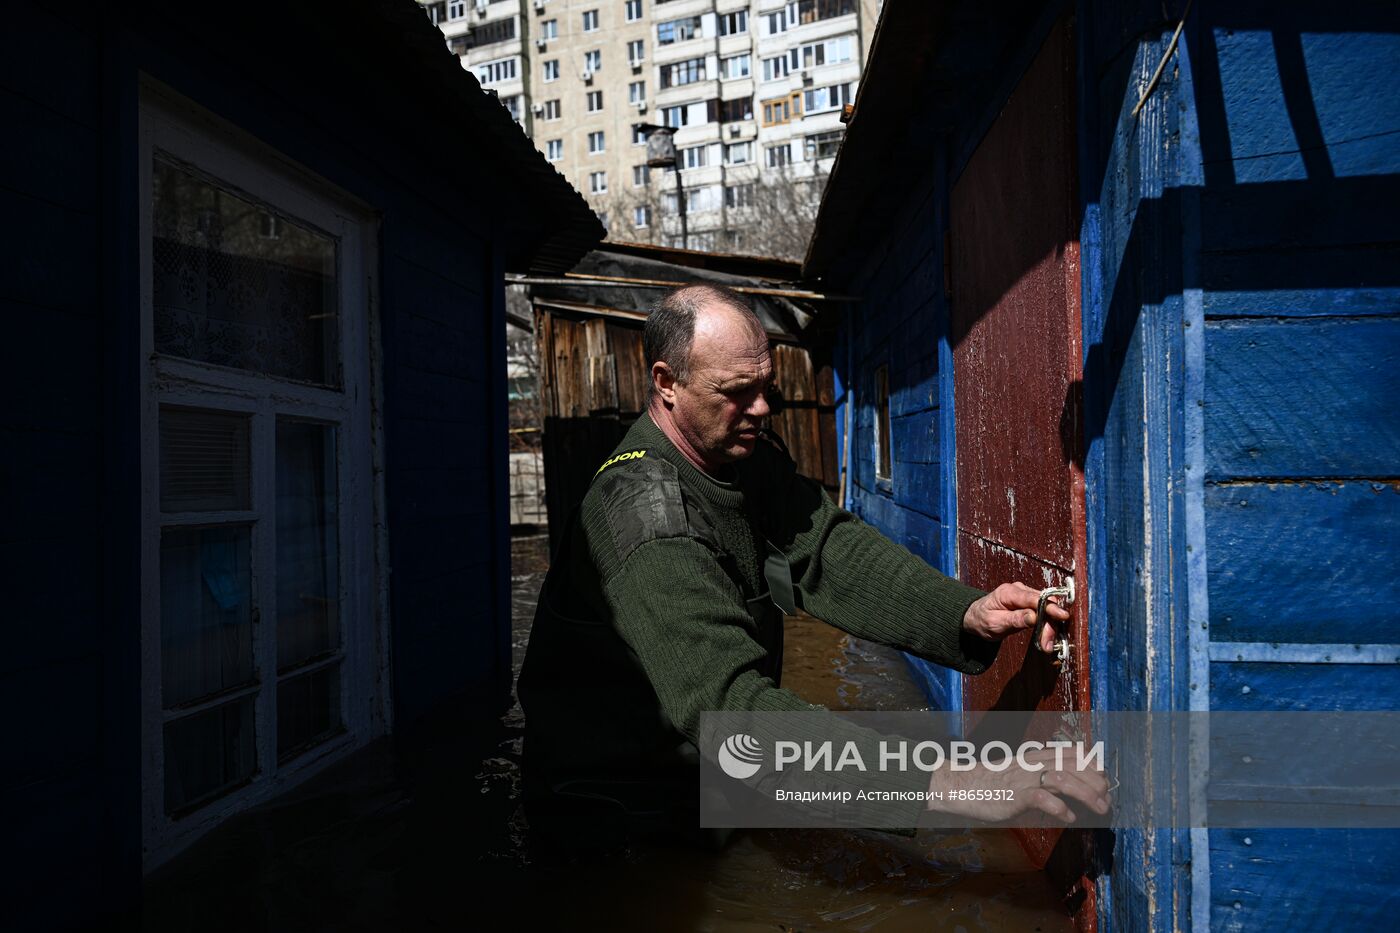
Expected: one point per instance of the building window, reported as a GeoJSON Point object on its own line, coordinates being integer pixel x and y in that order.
{"type": "Point", "coordinates": [488, 33]}
{"type": "Point", "coordinates": [603, 219]}
{"type": "Point", "coordinates": [738, 195]}
{"type": "Point", "coordinates": [735, 66]}
{"type": "Point", "coordinates": [512, 104]}
{"type": "Point", "coordinates": [882, 423]}
{"type": "Point", "coordinates": [549, 29]}
{"type": "Point", "coordinates": [590, 20]}
{"type": "Point", "coordinates": [595, 141]}
{"type": "Point", "coordinates": [595, 101]}
{"type": "Point", "coordinates": [641, 216]}
{"type": "Point", "coordinates": [491, 72]}
{"type": "Point", "coordinates": [678, 30]}
{"type": "Point", "coordinates": [775, 68]}
{"type": "Point", "coordinates": [456, 9]}
{"type": "Point", "coordinates": [731, 24]}
{"type": "Point", "coordinates": [636, 51]}
{"type": "Point", "coordinates": [554, 150]}
{"type": "Point", "coordinates": [598, 182]}
{"type": "Point", "coordinates": [777, 156]}
{"type": "Point", "coordinates": [823, 145]}
{"type": "Point", "coordinates": [551, 109]}
{"type": "Point", "coordinates": [437, 12]}
{"type": "Point", "coordinates": [636, 92]}
{"type": "Point", "coordinates": [735, 111]}
{"type": "Point", "coordinates": [632, 10]}
{"type": "Point", "coordinates": [826, 98]}
{"type": "Point", "coordinates": [681, 73]}
{"type": "Point", "coordinates": [782, 109]}
{"type": "Point", "coordinates": [775, 23]}
{"type": "Point", "coordinates": [641, 174]}
{"type": "Point", "coordinates": [551, 70]}
{"type": "Point", "coordinates": [593, 61]}
{"type": "Point", "coordinates": [738, 153]}
{"type": "Point", "coordinates": [695, 157]}
{"type": "Point", "coordinates": [675, 117]}
{"type": "Point", "coordinates": [256, 455]}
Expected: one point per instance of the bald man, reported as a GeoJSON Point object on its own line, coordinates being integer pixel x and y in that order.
{"type": "Point", "coordinates": [667, 595]}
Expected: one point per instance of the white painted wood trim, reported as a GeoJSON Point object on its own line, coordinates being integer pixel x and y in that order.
{"type": "Point", "coordinates": [172, 125]}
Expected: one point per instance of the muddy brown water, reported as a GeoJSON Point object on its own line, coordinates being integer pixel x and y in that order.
{"type": "Point", "coordinates": [441, 844]}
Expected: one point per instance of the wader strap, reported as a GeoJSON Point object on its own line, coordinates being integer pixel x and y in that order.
{"type": "Point", "coordinates": [778, 572]}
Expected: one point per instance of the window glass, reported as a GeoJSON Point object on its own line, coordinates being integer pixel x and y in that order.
{"type": "Point", "coordinates": [231, 289]}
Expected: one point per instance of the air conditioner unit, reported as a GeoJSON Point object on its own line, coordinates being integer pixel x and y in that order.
{"type": "Point", "coordinates": [641, 106]}
{"type": "Point", "coordinates": [538, 109]}
{"type": "Point", "coordinates": [539, 6]}
{"type": "Point", "coordinates": [541, 44]}
{"type": "Point", "coordinates": [806, 76]}
{"type": "Point", "coordinates": [586, 75]}
{"type": "Point", "coordinates": [482, 6]}
{"type": "Point", "coordinates": [734, 132]}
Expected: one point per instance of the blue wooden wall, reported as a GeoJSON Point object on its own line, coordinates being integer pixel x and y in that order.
{"type": "Point", "coordinates": [901, 323]}
{"type": "Point", "coordinates": [68, 441]}
{"type": "Point", "coordinates": [1240, 254]}
{"type": "Point", "coordinates": [1299, 263]}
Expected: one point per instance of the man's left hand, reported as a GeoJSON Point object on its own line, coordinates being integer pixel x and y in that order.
{"type": "Point", "coordinates": [1008, 609]}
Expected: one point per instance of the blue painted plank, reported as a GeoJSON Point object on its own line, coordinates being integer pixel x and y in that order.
{"type": "Point", "coordinates": [915, 438]}
{"type": "Point", "coordinates": [50, 391]}
{"type": "Point", "coordinates": [34, 234]}
{"type": "Point", "coordinates": [917, 487]}
{"type": "Point", "coordinates": [1304, 562]}
{"type": "Point", "coordinates": [1302, 399]}
{"type": "Point", "coordinates": [1360, 126]}
{"type": "Point", "coordinates": [427, 294]}
{"type": "Point", "coordinates": [919, 533]}
{"type": "Point", "coordinates": [1264, 687]}
{"type": "Point", "coordinates": [1304, 879]}
{"type": "Point", "coordinates": [49, 156]}
{"type": "Point", "coordinates": [51, 61]}
{"type": "Point", "coordinates": [1302, 282]}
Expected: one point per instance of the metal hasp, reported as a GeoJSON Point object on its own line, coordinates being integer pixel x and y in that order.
{"type": "Point", "coordinates": [1062, 645]}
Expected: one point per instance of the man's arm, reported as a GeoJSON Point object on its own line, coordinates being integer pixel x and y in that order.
{"type": "Point", "coordinates": [851, 576]}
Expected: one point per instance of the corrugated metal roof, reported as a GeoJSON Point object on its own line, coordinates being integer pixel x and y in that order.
{"type": "Point", "coordinates": [782, 317]}
{"type": "Point", "coordinates": [563, 225]}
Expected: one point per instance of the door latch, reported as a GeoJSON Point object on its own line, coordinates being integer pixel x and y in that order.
{"type": "Point", "coordinates": [1062, 646]}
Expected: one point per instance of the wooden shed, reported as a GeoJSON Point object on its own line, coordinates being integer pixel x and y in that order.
{"type": "Point", "coordinates": [1129, 290]}
{"type": "Point", "coordinates": [254, 285]}
{"type": "Point", "coordinates": [593, 378]}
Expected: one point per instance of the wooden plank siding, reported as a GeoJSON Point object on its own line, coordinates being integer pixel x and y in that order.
{"type": "Point", "coordinates": [70, 445]}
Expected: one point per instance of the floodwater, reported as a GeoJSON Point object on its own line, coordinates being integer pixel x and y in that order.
{"type": "Point", "coordinates": [438, 842]}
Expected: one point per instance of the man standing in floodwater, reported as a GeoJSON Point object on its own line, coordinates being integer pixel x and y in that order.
{"type": "Point", "coordinates": [666, 597]}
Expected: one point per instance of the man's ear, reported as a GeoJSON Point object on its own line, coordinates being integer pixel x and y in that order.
{"type": "Point", "coordinates": [664, 381]}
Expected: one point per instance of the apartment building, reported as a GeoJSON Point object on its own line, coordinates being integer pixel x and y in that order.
{"type": "Point", "coordinates": [754, 90]}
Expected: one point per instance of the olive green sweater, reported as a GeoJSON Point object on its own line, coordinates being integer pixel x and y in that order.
{"type": "Point", "coordinates": [649, 627]}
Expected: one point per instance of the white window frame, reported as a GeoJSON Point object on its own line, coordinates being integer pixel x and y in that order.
{"type": "Point", "coordinates": [641, 216]}
{"type": "Point", "coordinates": [552, 110]}
{"type": "Point", "coordinates": [632, 10]}
{"type": "Point", "coordinates": [600, 139]}
{"type": "Point", "coordinates": [636, 51]}
{"type": "Point", "coordinates": [179, 129]}
{"type": "Point", "coordinates": [456, 9]}
{"type": "Point", "coordinates": [593, 60]}
{"type": "Point", "coordinates": [593, 97]}
{"type": "Point", "coordinates": [598, 182]}
{"type": "Point", "coordinates": [590, 15]}
{"type": "Point", "coordinates": [550, 70]}
{"type": "Point", "coordinates": [549, 29]}
{"type": "Point", "coordinates": [636, 91]}
{"type": "Point", "coordinates": [555, 146]}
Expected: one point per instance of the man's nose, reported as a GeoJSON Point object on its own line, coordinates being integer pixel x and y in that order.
{"type": "Point", "coordinates": [760, 407]}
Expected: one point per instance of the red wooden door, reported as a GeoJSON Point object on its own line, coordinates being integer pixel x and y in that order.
{"type": "Point", "coordinates": [1016, 366]}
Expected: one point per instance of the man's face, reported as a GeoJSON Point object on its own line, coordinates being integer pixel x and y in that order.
{"type": "Point", "coordinates": [719, 406]}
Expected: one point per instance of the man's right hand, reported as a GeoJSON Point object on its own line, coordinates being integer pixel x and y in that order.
{"type": "Point", "coordinates": [1008, 609]}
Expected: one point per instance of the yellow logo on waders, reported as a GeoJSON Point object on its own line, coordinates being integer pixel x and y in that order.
{"type": "Point", "coordinates": [630, 455]}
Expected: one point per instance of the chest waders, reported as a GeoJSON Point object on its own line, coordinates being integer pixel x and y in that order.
{"type": "Point", "coordinates": [593, 810]}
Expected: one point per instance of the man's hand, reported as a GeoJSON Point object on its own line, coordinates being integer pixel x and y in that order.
{"type": "Point", "coordinates": [1026, 790]}
{"type": "Point", "coordinates": [1008, 609]}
